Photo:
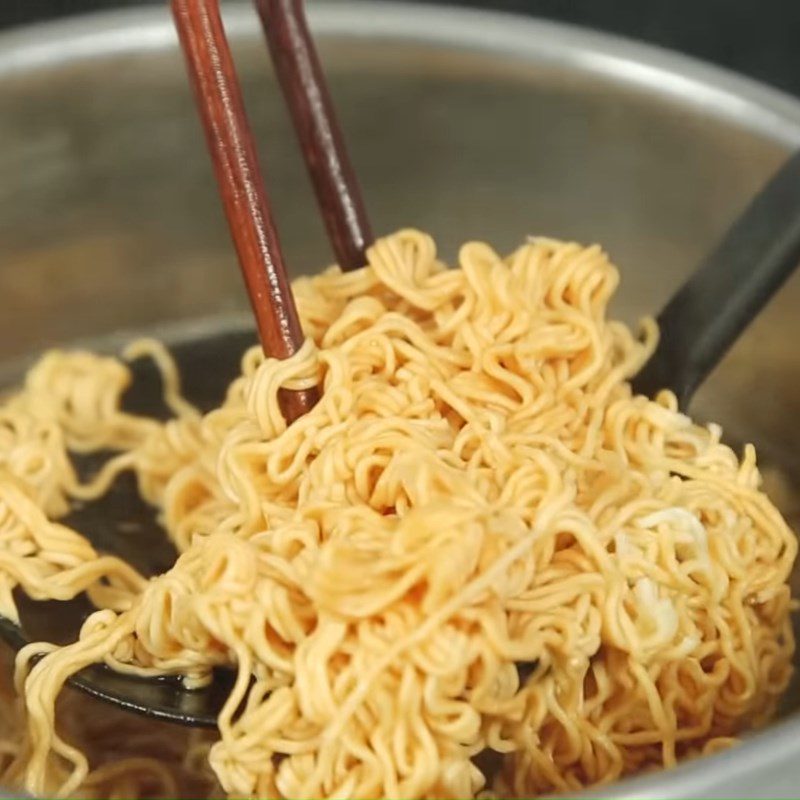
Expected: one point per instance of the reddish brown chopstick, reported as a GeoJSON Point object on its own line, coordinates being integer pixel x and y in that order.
{"type": "Point", "coordinates": [244, 196]}
{"type": "Point", "coordinates": [306, 93]}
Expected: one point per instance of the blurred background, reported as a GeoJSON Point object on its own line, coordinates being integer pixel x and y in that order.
{"type": "Point", "coordinates": [756, 37]}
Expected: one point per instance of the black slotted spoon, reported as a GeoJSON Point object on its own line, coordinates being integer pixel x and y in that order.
{"type": "Point", "coordinates": [698, 326]}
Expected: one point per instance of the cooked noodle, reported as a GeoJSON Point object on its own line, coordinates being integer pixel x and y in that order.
{"type": "Point", "coordinates": [478, 542]}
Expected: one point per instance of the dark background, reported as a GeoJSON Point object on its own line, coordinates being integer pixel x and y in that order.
{"type": "Point", "coordinates": [758, 37]}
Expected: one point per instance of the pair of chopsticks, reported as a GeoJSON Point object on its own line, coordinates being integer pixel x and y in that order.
{"type": "Point", "coordinates": [243, 191]}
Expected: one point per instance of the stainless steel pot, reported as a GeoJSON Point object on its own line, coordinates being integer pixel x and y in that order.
{"type": "Point", "coordinates": [466, 124]}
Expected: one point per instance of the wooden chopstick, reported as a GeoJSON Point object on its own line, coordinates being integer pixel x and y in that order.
{"type": "Point", "coordinates": [302, 80]}
{"type": "Point", "coordinates": [244, 197]}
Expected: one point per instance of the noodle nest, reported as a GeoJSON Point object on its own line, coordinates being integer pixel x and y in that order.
{"type": "Point", "coordinates": [479, 564]}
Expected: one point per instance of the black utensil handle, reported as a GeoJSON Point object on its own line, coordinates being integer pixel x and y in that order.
{"type": "Point", "coordinates": [706, 316]}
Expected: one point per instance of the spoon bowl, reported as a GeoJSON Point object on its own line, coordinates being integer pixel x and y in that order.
{"type": "Point", "coordinates": [122, 524]}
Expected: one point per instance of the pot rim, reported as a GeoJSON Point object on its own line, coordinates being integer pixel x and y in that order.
{"type": "Point", "coordinates": [682, 80]}
{"type": "Point", "coordinates": [724, 93]}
